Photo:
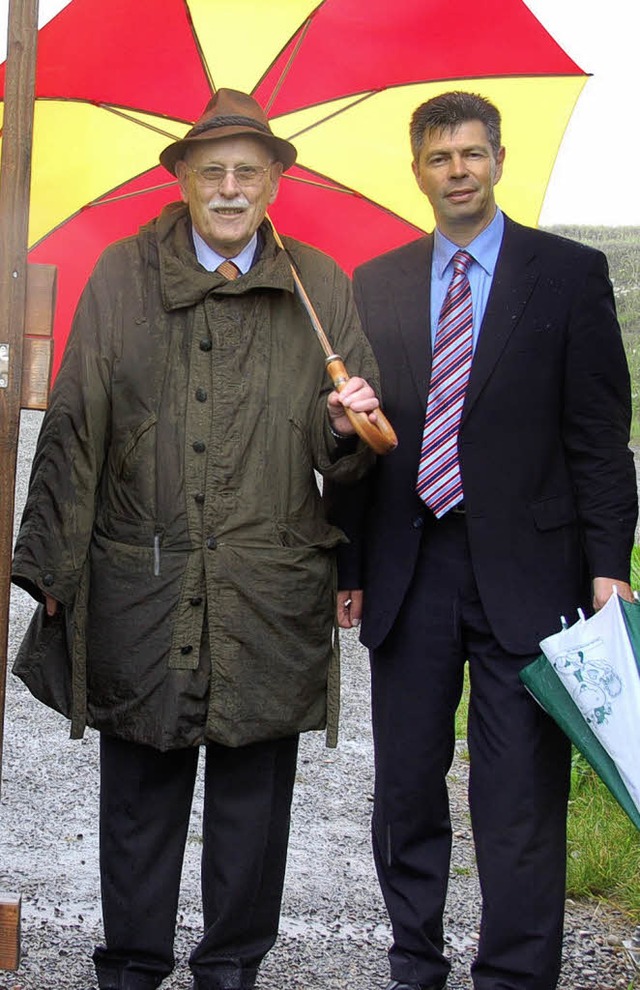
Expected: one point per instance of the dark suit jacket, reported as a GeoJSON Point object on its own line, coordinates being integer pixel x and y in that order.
{"type": "Point", "coordinates": [549, 483]}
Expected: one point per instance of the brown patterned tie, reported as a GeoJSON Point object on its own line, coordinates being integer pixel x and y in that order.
{"type": "Point", "coordinates": [229, 269]}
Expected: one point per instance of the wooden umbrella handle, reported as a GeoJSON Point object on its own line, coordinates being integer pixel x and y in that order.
{"type": "Point", "coordinates": [380, 436]}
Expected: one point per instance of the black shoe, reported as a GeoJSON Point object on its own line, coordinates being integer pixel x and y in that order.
{"type": "Point", "coordinates": [394, 985]}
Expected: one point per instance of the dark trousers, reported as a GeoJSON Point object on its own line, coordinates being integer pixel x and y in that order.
{"type": "Point", "coordinates": [518, 790]}
{"type": "Point", "coordinates": [145, 802]}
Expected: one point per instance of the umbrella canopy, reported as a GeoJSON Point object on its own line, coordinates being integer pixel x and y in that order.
{"type": "Point", "coordinates": [588, 680]}
{"type": "Point", "coordinates": [117, 82]}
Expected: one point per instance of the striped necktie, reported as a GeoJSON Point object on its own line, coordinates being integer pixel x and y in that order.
{"type": "Point", "coordinates": [228, 269]}
{"type": "Point", "coordinates": [439, 482]}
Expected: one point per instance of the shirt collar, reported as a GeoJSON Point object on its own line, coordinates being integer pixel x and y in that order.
{"type": "Point", "coordinates": [210, 259]}
{"type": "Point", "coordinates": [484, 248]}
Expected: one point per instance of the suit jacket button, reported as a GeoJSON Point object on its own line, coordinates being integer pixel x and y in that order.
{"type": "Point", "coordinates": [418, 522]}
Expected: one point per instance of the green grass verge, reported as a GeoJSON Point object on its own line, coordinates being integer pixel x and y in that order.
{"type": "Point", "coordinates": [635, 567]}
{"type": "Point", "coordinates": [463, 708]}
{"type": "Point", "coordinates": [603, 844]}
{"type": "Point", "coordinates": [632, 349]}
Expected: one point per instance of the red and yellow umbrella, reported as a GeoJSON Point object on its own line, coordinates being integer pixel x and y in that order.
{"type": "Point", "coordinates": [116, 82]}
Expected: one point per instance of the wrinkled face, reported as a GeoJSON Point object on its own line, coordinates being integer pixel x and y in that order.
{"type": "Point", "coordinates": [457, 170]}
{"type": "Point", "coordinates": [227, 212]}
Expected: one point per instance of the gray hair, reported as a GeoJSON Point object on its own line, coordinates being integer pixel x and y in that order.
{"type": "Point", "coordinates": [447, 111]}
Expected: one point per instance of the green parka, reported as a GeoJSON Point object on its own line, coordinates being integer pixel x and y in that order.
{"type": "Point", "coordinates": [173, 508]}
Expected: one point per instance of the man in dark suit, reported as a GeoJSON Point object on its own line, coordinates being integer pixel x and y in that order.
{"type": "Point", "coordinates": [510, 504]}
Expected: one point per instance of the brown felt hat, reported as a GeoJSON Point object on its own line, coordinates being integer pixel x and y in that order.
{"type": "Point", "coordinates": [230, 113]}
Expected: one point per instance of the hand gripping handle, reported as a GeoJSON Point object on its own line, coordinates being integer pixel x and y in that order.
{"type": "Point", "coordinates": [380, 436]}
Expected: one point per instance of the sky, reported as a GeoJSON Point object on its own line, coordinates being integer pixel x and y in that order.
{"type": "Point", "coordinates": [595, 179]}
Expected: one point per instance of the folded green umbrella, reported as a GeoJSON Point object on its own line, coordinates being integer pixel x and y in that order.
{"type": "Point", "coordinates": [588, 680]}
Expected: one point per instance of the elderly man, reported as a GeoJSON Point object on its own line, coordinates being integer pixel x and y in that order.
{"type": "Point", "coordinates": [510, 500]}
{"type": "Point", "coordinates": [175, 537]}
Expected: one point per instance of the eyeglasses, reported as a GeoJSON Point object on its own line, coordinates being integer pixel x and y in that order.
{"type": "Point", "coordinates": [245, 175]}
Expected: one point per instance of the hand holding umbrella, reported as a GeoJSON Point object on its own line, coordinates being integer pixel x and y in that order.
{"type": "Point", "coordinates": [377, 433]}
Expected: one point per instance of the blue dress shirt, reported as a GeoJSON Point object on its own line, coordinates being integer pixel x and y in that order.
{"type": "Point", "coordinates": [210, 259]}
{"type": "Point", "coordinates": [484, 250]}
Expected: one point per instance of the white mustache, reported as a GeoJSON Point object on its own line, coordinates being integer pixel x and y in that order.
{"type": "Point", "coordinates": [237, 203]}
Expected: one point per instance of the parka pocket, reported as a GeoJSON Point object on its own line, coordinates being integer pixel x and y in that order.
{"type": "Point", "coordinates": [316, 534]}
{"type": "Point", "coordinates": [43, 661]}
{"type": "Point", "coordinates": [132, 477]}
{"type": "Point", "coordinates": [271, 626]}
{"type": "Point", "coordinates": [139, 447]}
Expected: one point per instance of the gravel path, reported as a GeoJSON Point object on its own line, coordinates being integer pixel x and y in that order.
{"type": "Point", "coordinates": [334, 930]}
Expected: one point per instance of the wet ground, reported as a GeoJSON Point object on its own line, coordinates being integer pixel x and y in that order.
{"type": "Point", "coordinates": [334, 931]}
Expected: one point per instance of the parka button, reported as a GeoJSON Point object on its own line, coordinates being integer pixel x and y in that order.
{"type": "Point", "coordinates": [212, 543]}
{"type": "Point", "coordinates": [199, 446]}
{"type": "Point", "coordinates": [186, 649]}
{"type": "Point", "coordinates": [199, 498]}
{"type": "Point", "coordinates": [196, 600]}
{"type": "Point", "coordinates": [48, 580]}
{"type": "Point", "coordinates": [201, 394]}
{"type": "Point", "coordinates": [205, 344]}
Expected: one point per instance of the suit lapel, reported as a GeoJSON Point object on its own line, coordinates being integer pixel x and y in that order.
{"type": "Point", "coordinates": [515, 276]}
{"type": "Point", "coordinates": [412, 301]}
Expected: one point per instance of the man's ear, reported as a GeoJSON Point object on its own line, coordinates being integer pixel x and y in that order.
{"type": "Point", "coordinates": [182, 173]}
{"type": "Point", "coordinates": [499, 164]}
{"type": "Point", "coordinates": [276, 175]}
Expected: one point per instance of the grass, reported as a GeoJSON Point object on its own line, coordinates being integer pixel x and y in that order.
{"type": "Point", "coordinates": [603, 844]}
{"type": "Point", "coordinates": [635, 567]}
{"type": "Point", "coordinates": [632, 347]}
{"type": "Point", "coordinates": [463, 708]}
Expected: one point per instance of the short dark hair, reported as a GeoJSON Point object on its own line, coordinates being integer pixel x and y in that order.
{"type": "Point", "coordinates": [447, 111]}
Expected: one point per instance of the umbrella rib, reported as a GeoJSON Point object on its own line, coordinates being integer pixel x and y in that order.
{"type": "Point", "coordinates": [422, 82]}
{"type": "Point", "coordinates": [138, 192]}
{"type": "Point", "coordinates": [333, 187]}
{"type": "Point", "coordinates": [140, 123]}
{"type": "Point", "coordinates": [335, 113]}
{"type": "Point", "coordinates": [97, 202]}
{"type": "Point", "coordinates": [196, 41]}
{"type": "Point", "coordinates": [348, 191]}
{"type": "Point", "coordinates": [285, 72]}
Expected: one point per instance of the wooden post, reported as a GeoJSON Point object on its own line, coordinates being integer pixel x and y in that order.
{"type": "Point", "coordinates": [15, 175]}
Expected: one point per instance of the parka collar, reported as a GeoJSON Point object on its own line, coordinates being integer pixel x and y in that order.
{"type": "Point", "coordinates": [168, 244]}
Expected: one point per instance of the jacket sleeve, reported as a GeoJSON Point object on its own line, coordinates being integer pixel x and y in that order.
{"type": "Point", "coordinates": [596, 423]}
{"type": "Point", "coordinates": [346, 505]}
{"type": "Point", "coordinates": [57, 522]}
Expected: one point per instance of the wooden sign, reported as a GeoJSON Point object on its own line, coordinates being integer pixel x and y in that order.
{"type": "Point", "coordinates": [9, 931]}
{"type": "Point", "coordinates": [38, 343]}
